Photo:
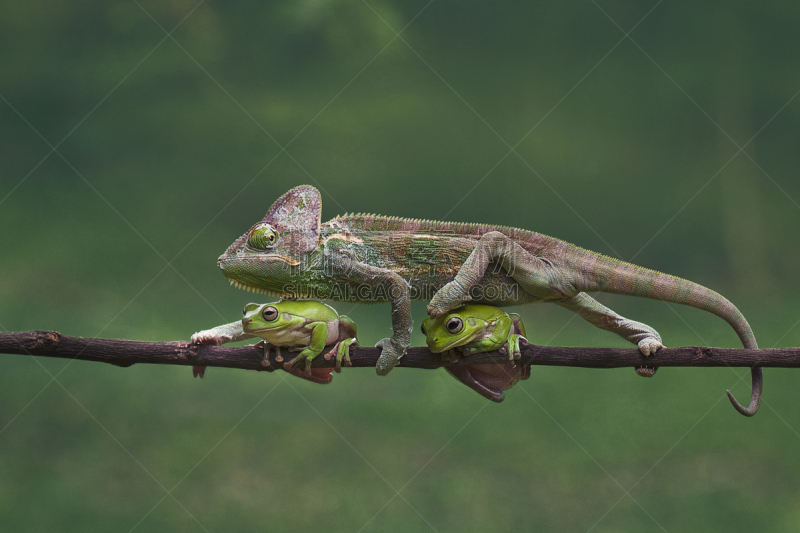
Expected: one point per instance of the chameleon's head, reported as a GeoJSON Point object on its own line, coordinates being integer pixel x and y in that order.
{"type": "Point", "coordinates": [456, 328]}
{"type": "Point", "coordinates": [265, 258]}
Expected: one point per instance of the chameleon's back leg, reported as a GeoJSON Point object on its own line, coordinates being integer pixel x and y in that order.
{"type": "Point", "coordinates": [646, 338]}
{"type": "Point", "coordinates": [541, 280]}
{"type": "Point", "coordinates": [536, 277]}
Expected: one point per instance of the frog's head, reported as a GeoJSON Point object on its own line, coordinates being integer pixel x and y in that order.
{"type": "Point", "coordinates": [456, 328]}
{"type": "Point", "coordinates": [264, 317]}
{"type": "Point", "coordinates": [269, 256]}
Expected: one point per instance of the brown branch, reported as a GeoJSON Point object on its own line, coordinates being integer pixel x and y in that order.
{"type": "Point", "coordinates": [126, 353]}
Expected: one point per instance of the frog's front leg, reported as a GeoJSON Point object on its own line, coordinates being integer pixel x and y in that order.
{"type": "Point", "coordinates": [264, 345]}
{"type": "Point", "coordinates": [348, 336]}
{"type": "Point", "coordinates": [510, 343]}
{"type": "Point", "coordinates": [319, 334]}
{"type": "Point", "coordinates": [341, 350]}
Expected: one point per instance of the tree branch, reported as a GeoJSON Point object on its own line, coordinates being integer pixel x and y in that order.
{"type": "Point", "coordinates": [126, 353]}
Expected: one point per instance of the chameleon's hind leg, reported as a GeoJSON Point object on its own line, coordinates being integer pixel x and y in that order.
{"type": "Point", "coordinates": [536, 276]}
{"type": "Point", "coordinates": [540, 279]}
{"type": "Point", "coordinates": [646, 338]}
{"type": "Point", "coordinates": [646, 371]}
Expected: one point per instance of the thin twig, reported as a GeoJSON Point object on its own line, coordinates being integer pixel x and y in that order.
{"type": "Point", "coordinates": [126, 353]}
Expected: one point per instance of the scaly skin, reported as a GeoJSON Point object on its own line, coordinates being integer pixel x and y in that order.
{"type": "Point", "coordinates": [307, 327]}
{"type": "Point", "coordinates": [371, 259]}
{"type": "Point", "coordinates": [473, 329]}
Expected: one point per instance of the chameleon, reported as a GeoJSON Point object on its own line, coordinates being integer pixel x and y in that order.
{"type": "Point", "coordinates": [475, 328]}
{"type": "Point", "coordinates": [304, 326]}
{"type": "Point", "coordinates": [365, 258]}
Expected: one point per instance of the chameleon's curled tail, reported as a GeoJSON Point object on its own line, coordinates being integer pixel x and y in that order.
{"type": "Point", "coordinates": [610, 275]}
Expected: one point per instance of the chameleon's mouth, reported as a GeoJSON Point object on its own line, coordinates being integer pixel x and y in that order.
{"type": "Point", "coordinates": [249, 288]}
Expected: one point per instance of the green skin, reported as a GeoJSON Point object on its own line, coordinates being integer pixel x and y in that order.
{"type": "Point", "coordinates": [304, 326]}
{"type": "Point", "coordinates": [473, 329]}
{"type": "Point", "coordinates": [372, 259]}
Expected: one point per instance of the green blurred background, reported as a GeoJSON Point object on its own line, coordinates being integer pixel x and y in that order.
{"type": "Point", "coordinates": [168, 148]}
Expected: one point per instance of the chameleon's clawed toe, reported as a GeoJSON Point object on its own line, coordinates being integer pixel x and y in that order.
{"type": "Point", "coordinates": [649, 346]}
{"type": "Point", "coordinates": [646, 371]}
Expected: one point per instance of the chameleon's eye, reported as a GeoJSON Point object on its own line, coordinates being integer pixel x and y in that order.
{"type": "Point", "coordinates": [269, 313]}
{"type": "Point", "coordinates": [422, 327]}
{"type": "Point", "coordinates": [454, 324]}
{"type": "Point", "coordinates": [262, 236]}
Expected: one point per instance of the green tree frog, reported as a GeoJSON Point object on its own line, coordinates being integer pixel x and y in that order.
{"type": "Point", "coordinates": [304, 326]}
{"type": "Point", "coordinates": [473, 329]}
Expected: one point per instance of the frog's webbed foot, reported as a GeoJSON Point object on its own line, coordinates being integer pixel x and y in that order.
{"type": "Point", "coordinates": [512, 346]}
{"type": "Point", "coordinates": [265, 362]}
{"type": "Point", "coordinates": [452, 356]}
{"type": "Point", "coordinates": [301, 357]}
{"type": "Point", "coordinates": [450, 296]}
{"type": "Point", "coordinates": [198, 371]}
{"type": "Point", "coordinates": [391, 352]}
{"type": "Point", "coordinates": [314, 375]}
{"type": "Point", "coordinates": [342, 352]}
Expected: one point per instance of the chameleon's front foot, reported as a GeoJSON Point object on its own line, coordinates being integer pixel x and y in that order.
{"type": "Point", "coordinates": [342, 351]}
{"type": "Point", "coordinates": [208, 337]}
{"type": "Point", "coordinates": [391, 353]}
{"type": "Point", "coordinates": [450, 296]}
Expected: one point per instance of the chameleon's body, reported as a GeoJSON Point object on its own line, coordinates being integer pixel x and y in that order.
{"type": "Point", "coordinates": [371, 258]}
{"type": "Point", "coordinates": [471, 329]}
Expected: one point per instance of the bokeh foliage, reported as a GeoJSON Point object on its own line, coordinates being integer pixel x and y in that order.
{"type": "Point", "coordinates": [169, 147]}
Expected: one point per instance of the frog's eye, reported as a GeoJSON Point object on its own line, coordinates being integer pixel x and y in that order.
{"type": "Point", "coordinates": [454, 324]}
{"type": "Point", "coordinates": [262, 236]}
{"type": "Point", "coordinates": [422, 327]}
{"type": "Point", "coordinates": [269, 313]}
